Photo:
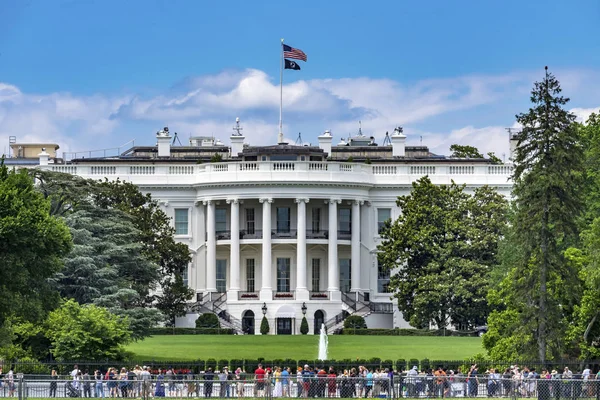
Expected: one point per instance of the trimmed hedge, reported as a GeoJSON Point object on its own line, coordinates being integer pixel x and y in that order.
{"type": "Point", "coordinates": [191, 331]}
{"type": "Point", "coordinates": [403, 332]}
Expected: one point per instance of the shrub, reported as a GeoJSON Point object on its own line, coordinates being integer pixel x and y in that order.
{"type": "Point", "coordinates": [27, 365]}
{"type": "Point", "coordinates": [191, 331]}
{"type": "Point", "coordinates": [401, 365]}
{"type": "Point", "coordinates": [355, 322]}
{"type": "Point", "coordinates": [211, 363]}
{"type": "Point", "coordinates": [208, 320]}
{"type": "Point", "coordinates": [304, 326]}
{"type": "Point", "coordinates": [425, 364]}
{"type": "Point", "coordinates": [413, 362]}
{"type": "Point", "coordinates": [217, 157]}
{"type": "Point", "coordinates": [264, 326]}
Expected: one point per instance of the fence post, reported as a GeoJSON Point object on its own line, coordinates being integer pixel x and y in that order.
{"type": "Point", "coordinates": [20, 386]}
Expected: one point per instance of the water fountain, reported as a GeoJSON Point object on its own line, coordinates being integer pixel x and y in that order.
{"type": "Point", "coordinates": [323, 343]}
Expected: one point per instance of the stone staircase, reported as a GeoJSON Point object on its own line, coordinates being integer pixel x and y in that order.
{"type": "Point", "coordinates": [356, 304]}
{"type": "Point", "coordinates": [214, 303]}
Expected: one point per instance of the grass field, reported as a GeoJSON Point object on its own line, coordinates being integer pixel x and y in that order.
{"type": "Point", "coordinates": [194, 347]}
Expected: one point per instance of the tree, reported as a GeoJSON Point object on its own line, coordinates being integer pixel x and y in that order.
{"type": "Point", "coordinates": [443, 248]}
{"type": "Point", "coordinates": [156, 235]}
{"type": "Point", "coordinates": [459, 151]}
{"type": "Point", "coordinates": [208, 320]}
{"type": "Point", "coordinates": [32, 244]}
{"type": "Point", "coordinates": [547, 180]}
{"type": "Point", "coordinates": [87, 333]}
{"type": "Point", "coordinates": [355, 322]}
{"type": "Point", "coordinates": [304, 326]}
{"type": "Point", "coordinates": [264, 326]}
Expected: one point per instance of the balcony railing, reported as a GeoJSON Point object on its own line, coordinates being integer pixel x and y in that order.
{"type": "Point", "coordinates": [223, 235]}
{"type": "Point", "coordinates": [283, 234]}
{"type": "Point", "coordinates": [319, 295]}
{"type": "Point", "coordinates": [318, 234]}
{"type": "Point", "coordinates": [344, 235]}
{"type": "Point", "coordinates": [252, 234]}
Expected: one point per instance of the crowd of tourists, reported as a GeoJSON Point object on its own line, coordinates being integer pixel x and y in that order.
{"type": "Point", "coordinates": [313, 382]}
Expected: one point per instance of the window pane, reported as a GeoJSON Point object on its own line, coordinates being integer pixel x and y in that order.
{"type": "Point", "coordinates": [221, 276]}
{"type": "Point", "coordinates": [383, 215]}
{"type": "Point", "coordinates": [250, 226]}
{"type": "Point", "coordinates": [316, 219]}
{"type": "Point", "coordinates": [316, 274]}
{"type": "Point", "coordinates": [345, 274]}
{"type": "Point", "coordinates": [185, 276]}
{"type": "Point", "coordinates": [250, 275]}
{"type": "Point", "coordinates": [383, 279]}
{"type": "Point", "coordinates": [221, 220]}
{"type": "Point", "coordinates": [283, 274]}
{"type": "Point", "coordinates": [181, 221]}
{"type": "Point", "coordinates": [283, 219]}
{"type": "Point", "coordinates": [344, 216]}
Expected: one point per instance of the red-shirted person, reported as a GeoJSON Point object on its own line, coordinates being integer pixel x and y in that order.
{"type": "Point", "coordinates": [259, 375]}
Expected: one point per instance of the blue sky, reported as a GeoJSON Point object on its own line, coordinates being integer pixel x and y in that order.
{"type": "Point", "coordinates": [90, 74]}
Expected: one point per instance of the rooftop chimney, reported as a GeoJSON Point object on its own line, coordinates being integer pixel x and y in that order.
{"type": "Point", "coordinates": [237, 139]}
{"type": "Point", "coordinates": [325, 142]}
{"type": "Point", "coordinates": [163, 139]}
{"type": "Point", "coordinates": [44, 157]}
{"type": "Point", "coordinates": [398, 143]}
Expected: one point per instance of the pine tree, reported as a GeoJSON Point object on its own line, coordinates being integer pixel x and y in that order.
{"type": "Point", "coordinates": [547, 178]}
{"type": "Point", "coordinates": [264, 326]}
{"type": "Point", "coordinates": [304, 326]}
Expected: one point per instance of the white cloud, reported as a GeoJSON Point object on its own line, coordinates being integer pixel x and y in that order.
{"type": "Point", "coordinates": [583, 114]}
{"type": "Point", "coordinates": [207, 106]}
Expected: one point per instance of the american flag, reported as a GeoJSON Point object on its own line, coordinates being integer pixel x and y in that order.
{"type": "Point", "coordinates": [296, 54]}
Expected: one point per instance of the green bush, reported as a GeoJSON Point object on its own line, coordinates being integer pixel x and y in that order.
{"type": "Point", "coordinates": [355, 322]}
{"type": "Point", "coordinates": [401, 365]}
{"type": "Point", "coordinates": [413, 362]}
{"type": "Point", "coordinates": [211, 363]}
{"type": "Point", "coordinates": [27, 365]}
{"type": "Point", "coordinates": [217, 157]}
{"type": "Point", "coordinates": [191, 331]}
{"type": "Point", "coordinates": [389, 332]}
{"type": "Point", "coordinates": [208, 320]}
{"type": "Point", "coordinates": [304, 326]}
{"type": "Point", "coordinates": [264, 326]}
{"type": "Point", "coordinates": [425, 364]}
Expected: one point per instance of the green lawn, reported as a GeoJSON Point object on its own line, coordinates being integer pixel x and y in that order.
{"type": "Point", "coordinates": [195, 347]}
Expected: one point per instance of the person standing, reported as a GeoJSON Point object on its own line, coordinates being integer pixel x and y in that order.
{"type": "Point", "coordinates": [259, 375]}
{"type": "Point", "coordinates": [53, 382]}
{"type": "Point", "coordinates": [98, 387]}
{"type": "Point", "coordinates": [209, 376]}
{"type": "Point", "coordinates": [146, 379]}
{"type": "Point", "coordinates": [87, 384]}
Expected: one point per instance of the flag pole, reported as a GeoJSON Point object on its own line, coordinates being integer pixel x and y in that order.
{"type": "Point", "coordinates": [280, 138]}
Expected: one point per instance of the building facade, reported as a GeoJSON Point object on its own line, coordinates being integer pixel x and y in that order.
{"type": "Point", "coordinates": [286, 230]}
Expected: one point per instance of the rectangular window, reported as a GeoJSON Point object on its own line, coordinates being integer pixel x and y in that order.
{"type": "Point", "coordinates": [383, 278]}
{"type": "Point", "coordinates": [181, 221]}
{"type": "Point", "coordinates": [185, 277]}
{"type": "Point", "coordinates": [221, 276]}
{"type": "Point", "coordinates": [345, 274]}
{"type": "Point", "coordinates": [250, 275]}
{"type": "Point", "coordinates": [344, 221]}
{"type": "Point", "coordinates": [316, 274]}
{"type": "Point", "coordinates": [383, 215]}
{"type": "Point", "coordinates": [283, 220]}
{"type": "Point", "coordinates": [250, 226]}
{"type": "Point", "coordinates": [221, 220]}
{"type": "Point", "coordinates": [283, 274]}
{"type": "Point", "coordinates": [316, 220]}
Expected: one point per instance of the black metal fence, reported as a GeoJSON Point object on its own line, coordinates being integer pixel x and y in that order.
{"type": "Point", "coordinates": [304, 385]}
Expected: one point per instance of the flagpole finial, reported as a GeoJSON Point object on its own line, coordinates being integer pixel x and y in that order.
{"type": "Point", "coordinates": [281, 40]}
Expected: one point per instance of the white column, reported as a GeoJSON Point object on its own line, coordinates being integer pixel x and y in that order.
{"type": "Point", "coordinates": [266, 290]}
{"type": "Point", "coordinates": [301, 289]}
{"type": "Point", "coordinates": [355, 244]}
{"type": "Point", "coordinates": [211, 247]}
{"type": "Point", "coordinates": [234, 262]}
{"type": "Point", "coordinates": [333, 276]}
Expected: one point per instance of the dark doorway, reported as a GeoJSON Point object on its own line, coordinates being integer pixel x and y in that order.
{"type": "Point", "coordinates": [248, 322]}
{"type": "Point", "coordinates": [319, 320]}
{"type": "Point", "coordinates": [284, 326]}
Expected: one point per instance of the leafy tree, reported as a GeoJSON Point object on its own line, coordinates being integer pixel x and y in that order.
{"type": "Point", "coordinates": [443, 247]}
{"type": "Point", "coordinates": [459, 151]}
{"type": "Point", "coordinates": [493, 158]}
{"type": "Point", "coordinates": [264, 326]}
{"type": "Point", "coordinates": [304, 326]}
{"type": "Point", "coordinates": [355, 322]}
{"type": "Point", "coordinates": [87, 333]}
{"type": "Point", "coordinates": [32, 244]}
{"type": "Point", "coordinates": [208, 320]}
{"type": "Point", "coordinates": [547, 179]}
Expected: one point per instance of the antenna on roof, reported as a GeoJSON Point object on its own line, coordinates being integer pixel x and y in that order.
{"type": "Point", "coordinates": [421, 140]}
{"type": "Point", "coordinates": [388, 140]}
{"type": "Point", "coordinates": [299, 139]}
{"type": "Point", "coordinates": [360, 128]}
{"type": "Point", "coordinates": [237, 127]}
{"type": "Point", "coordinates": [176, 138]}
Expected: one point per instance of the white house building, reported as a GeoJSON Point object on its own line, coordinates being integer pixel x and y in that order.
{"type": "Point", "coordinates": [284, 230]}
